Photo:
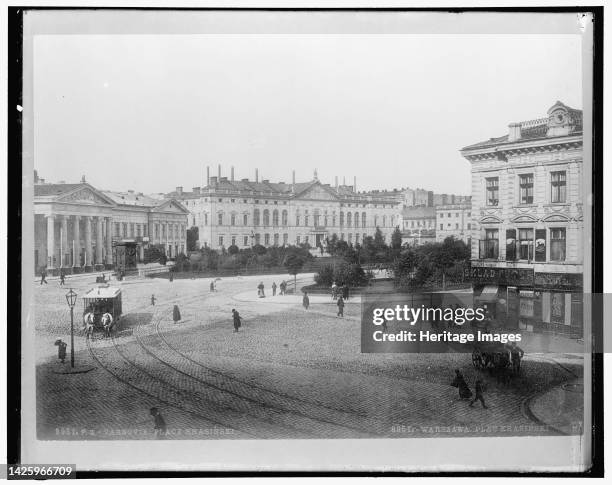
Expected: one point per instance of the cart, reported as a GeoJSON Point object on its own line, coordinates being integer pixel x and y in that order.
{"type": "Point", "coordinates": [100, 300]}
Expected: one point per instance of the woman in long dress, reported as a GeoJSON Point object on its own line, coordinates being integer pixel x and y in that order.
{"type": "Point", "coordinates": [176, 314]}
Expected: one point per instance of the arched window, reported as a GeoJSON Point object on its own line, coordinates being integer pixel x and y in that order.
{"type": "Point", "coordinates": [284, 218]}
{"type": "Point", "coordinates": [363, 219]}
{"type": "Point", "coordinates": [341, 219]}
{"type": "Point", "coordinates": [349, 219]}
{"type": "Point", "coordinates": [276, 239]}
{"type": "Point", "coordinates": [256, 217]}
{"type": "Point", "coordinates": [233, 219]}
{"type": "Point", "coordinates": [206, 218]}
{"type": "Point", "coordinates": [220, 218]}
{"type": "Point", "coordinates": [384, 224]}
{"type": "Point", "coordinates": [334, 218]}
{"type": "Point", "coordinates": [297, 219]}
{"type": "Point", "coordinates": [356, 221]}
{"type": "Point", "coordinates": [266, 218]}
{"type": "Point", "coordinates": [245, 220]}
{"type": "Point", "coordinates": [275, 218]}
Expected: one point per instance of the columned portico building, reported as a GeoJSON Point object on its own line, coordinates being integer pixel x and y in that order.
{"type": "Point", "coordinates": [78, 228]}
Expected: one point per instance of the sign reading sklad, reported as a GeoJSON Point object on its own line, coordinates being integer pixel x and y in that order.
{"type": "Point", "coordinates": [501, 276]}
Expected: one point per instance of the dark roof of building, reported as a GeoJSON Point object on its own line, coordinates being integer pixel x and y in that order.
{"type": "Point", "coordinates": [132, 198]}
{"type": "Point", "coordinates": [48, 190]}
{"type": "Point", "coordinates": [419, 212]}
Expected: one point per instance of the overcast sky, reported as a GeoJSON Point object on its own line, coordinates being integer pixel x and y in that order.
{"type": "Point", "coordinates": [149, 112]}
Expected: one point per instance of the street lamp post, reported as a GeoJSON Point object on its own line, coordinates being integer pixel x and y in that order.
{"type": "Point", "coordinates": [71, 300]}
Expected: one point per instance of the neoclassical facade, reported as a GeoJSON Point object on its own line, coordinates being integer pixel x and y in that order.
{"type": "Point", "coordinates": [78, 228]}
{"type": "Point", "coordinates": [244, 213]}
{"type": "Point", "coordinates": [527, 220]}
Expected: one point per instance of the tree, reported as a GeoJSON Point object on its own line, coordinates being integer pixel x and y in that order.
{"type": "Point", "coordinates": [259, 250]}
{"type": "Point", "coordinates": [396, 239]}
{"type": "Point", "coordinates": [192, 238]}
{"type": "Point", "coordinates": [294, 264]}
{"type": "Point", "coordinates": [233, 249]}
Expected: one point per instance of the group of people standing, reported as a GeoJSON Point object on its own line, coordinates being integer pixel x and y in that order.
{"type": "Point", "coordinates": [339, 291]}
{"type": "Point", "coordinates": [261, 293]}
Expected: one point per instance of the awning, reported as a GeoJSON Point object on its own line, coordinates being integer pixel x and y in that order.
{"type": "Point", "coordinates": [489, 293]}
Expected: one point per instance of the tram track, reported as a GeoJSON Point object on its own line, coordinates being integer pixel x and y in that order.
{"type": "Point", "coordinates": [262, 396]}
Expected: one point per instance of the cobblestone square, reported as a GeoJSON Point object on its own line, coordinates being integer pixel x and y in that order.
{"type": "Point", "coordinates": [288, 372]}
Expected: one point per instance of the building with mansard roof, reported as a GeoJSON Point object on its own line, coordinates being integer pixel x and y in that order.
{"type": "Point", "coordinates": [78, 228]}
{"type": "Point", "coordinates": [247, 212]}
{"type": "Point", "coordinates": [527, 222]}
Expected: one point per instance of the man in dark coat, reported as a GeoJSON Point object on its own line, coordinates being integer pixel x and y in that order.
{"type": "Point", "coordinates": [345, 292]}
{"type": "Point", "coordinates": [152, 300]}
{"type": "Point", "coordinates": [459, 382]}
{"type": "Point", "coordinates": [516, 354]}
{"type": "Point", "coordinates": [340, 304]}
{"type": "Point", "coordinates": [478, 397]}
{"type": "Point", "coordinates": [274, 288]}
{"type": "Point", "coordinates": [160, 424]}
{"type": "Point", "coordinates": [171, 276]}
{"type": "Point", "coordinates": [212, 286]}
{"type": "Point", "coordinates": [237, 321]}
{"type": "Point", "coordinates": [260, 290]}
{"type": "Point", "coordinates": [176, 314]}
{"type": "Point", "coordinates": [43, 276]}
{"type": "Point", "coordinates": [61, 350]}
{"type": "Point", "coordinates": [62, 277]}
{"type": "Point", "coordinates": [306, 301]}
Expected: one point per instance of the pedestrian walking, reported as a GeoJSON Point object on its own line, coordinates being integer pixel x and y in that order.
{"type": "Point", "coordinates": [153, 300]}
{"type": "Point", "coordinates": [43, 276]}
{"type": "Point", "coordinates": [260, 290]}
{"type": "Point", "coordinates": [461, 385]}
{"type": "Point", "coordinates": [340, 304]}
{"type": "Point", "coordinates": [62, 277]}
{"type": "Point", "coordinates": [283, 287]}
{"type": "Point", "coordinates": [159, 427]}
{"type": "Point", "coordinates": [61, 349]}
{"type": "Point", "coordinates": [176, 314]}
{"type": "Point", "coordinates": [305, 300]}
{"type": "Point", "coordinates": [345, 292]}
{"type": "Point", "coordinates": [334, 290]}
{"type": "Point", "coordinates": [516, 355]}
{"type": "Point", "coordinates": [171, 276]}
{"type": "Point", "coordinates": [478, 397]}
{"type": "Point", "coordinates": [236, 318]}
{"type": "Point", "coordinates": [274, 288]}
{"type": "Point", "coordinates": [212, 286]}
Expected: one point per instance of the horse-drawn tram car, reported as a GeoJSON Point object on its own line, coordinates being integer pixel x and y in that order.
{"type": "Point", "coordinates": [101, 308]}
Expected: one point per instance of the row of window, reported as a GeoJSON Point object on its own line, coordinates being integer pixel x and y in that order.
{"type": "Point", "coordinates": [558, 188]}
{"type": "Point", "coordinates": [317, 219]}
{"type": "Point", "coordinates": [448, 226]}
{"type": "Point", "coordinates": [125, 229]}
{"type": "Point", "coordinates": [441, 214]}
{"type": "Point", "coordinates": [275, 239]}
{"type": "Point", "coordinates": [525, 244]}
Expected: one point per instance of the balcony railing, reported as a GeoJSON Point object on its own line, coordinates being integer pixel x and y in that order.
{"type": "Point", "coordinates": [488, 249]}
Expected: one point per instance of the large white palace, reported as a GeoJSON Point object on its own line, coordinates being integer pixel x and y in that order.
{"type": "Point", "coordinates": [527, 221]}
{"type": "Point", "coordinates": [246, 212]}
{"type": "Point", "coordinates": [78, 228]}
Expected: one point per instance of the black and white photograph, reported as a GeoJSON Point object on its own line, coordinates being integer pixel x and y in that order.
{"type": "Point", "coordinates": [307, 240]}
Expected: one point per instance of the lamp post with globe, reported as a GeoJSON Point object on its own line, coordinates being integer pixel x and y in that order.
{"type": "Point", "coordinates": [71, 297]}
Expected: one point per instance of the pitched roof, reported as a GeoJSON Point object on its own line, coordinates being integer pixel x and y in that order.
{"type": "Point", "coordinates": [131, 198]}
{"type": "Point", "coordinates": [48, 190]}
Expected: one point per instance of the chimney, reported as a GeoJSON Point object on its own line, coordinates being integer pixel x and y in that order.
{"type": "Point", "coordinates": [232, 179]}
{"type": "Point", "coordinates": [219, 171]}
{"type": "Point", "coordinates": [336, 181]}
{"type": "Point", "coordinates": [514, 132]}
{"type": "Point", "coordinates": [355, 184]}
{"type": "Point", "coordinates": [256, 175]}
{"type": "Point", "coordinates": [207, 175]}
{"type": "Point", "coordinates": [179, 190]}
{"type": "Point", "coordinates": [293, 179]}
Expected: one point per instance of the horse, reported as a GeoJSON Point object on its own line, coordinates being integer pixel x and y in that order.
{"type": "Point", "coordinates": [107, 323]}
{"type": "Point", "coordinates": [88, 324]}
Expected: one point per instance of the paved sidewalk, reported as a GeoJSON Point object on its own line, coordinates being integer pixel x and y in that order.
{"type": "Point", "coordinates": [561, 408]}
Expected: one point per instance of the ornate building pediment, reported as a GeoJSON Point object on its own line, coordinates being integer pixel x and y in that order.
{"type": "Point", "coordinates": [490, 220]}
{"type": "Point", "coordinates": [556, 217]}
{"type": "Point", "coordinates": [86, 195]}
{"type": "Point", "coordinates": [524, 218]}
{"type": "Point", "coordinates": [316, 192]}
{"type": "Point", "coordinates": [171, 206]}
